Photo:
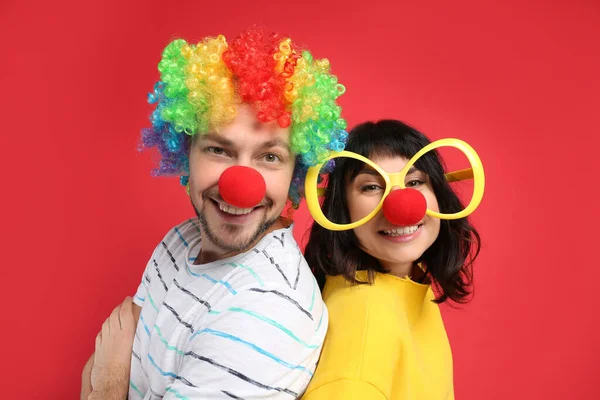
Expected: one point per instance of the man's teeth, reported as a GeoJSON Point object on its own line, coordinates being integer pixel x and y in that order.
{"type": "Point", "coordinates": [406, 230]}
{"type": "Point", "coordinates": [234, 210]}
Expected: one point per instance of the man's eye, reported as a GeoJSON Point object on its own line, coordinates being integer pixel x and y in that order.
{"type": "Point", "coordinates": [271, 158]}
{"type": "Point", "coordinates": [215, 150]}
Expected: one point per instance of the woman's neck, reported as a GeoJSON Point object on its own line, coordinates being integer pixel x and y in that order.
{"type": "Point", "coordinates": [410, 270]}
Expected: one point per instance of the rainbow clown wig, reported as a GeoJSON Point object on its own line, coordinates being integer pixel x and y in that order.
{"type": "Point", "coordinates": [201, 86]}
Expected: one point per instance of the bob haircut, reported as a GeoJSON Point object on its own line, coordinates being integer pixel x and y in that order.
{"type": "Point", "coordinates": [448, 260]}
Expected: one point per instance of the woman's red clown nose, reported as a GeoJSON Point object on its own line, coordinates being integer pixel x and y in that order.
{"type": "Point", "coordinates": [405, 207]}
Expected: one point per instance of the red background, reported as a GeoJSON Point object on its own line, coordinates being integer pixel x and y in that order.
{"type": "Point", "coordinates": [517, 80]}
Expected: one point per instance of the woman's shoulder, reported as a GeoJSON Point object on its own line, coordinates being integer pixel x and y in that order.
{"type": "Point", "coordinates": [359, 304]}
{"type": "Point", "coordinates": [386, 300]}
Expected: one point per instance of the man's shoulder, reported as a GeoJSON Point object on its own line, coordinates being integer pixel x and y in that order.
{"type": "Point", "coordinates": [278, 246]}
{"type": "Point", "coordinates": [182, 234]}
{"type": "Point", "coordinates": [173, 247]}
{"type": "Point", "coordinates": [282, 305]}
{"type": "Point", "coordinates": [185, 231]}
{"type": "Point", "coordinates": [277, 258]}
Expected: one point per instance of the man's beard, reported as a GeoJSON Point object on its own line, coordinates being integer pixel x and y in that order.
{"type": "Point", "coordinates": [234, 230]}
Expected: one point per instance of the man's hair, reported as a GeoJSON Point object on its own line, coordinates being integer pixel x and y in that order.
{"type": "Point", "coordinates": [448, 260]}
{"type": "Point", "coordinates": [201, 86]}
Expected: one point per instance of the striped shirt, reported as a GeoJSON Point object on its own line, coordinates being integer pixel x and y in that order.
{"type": "Point", "coordinates": [246, 327]}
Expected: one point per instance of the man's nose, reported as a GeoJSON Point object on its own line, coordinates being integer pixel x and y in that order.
{"type": "Point", "coordinates": [242, 186]}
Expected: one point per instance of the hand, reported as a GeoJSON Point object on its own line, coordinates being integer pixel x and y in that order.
{"type": "Point", "coordinates": [112, 359]}
{"type": "Point", "coordinates": [86, 382]}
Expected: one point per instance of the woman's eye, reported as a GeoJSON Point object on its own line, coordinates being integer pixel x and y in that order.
{"type": "Point", "coordinates": [414, 183]}
{"type": "Point", "coordinates": [369, 188]}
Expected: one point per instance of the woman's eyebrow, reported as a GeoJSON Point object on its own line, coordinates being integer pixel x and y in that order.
{"type": "Point", "coordinates": [370, 171]}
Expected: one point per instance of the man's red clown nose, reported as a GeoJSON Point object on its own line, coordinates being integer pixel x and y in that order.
{"type": "Point", "coordinates": [242, 187]}
{"type": "Point", "coordinates": [405, 207]}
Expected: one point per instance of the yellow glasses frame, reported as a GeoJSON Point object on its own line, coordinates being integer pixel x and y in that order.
{"type": "Point", "coordinates": [397, 179]}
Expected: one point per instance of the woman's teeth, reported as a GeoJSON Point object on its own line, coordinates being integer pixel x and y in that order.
{"type": "Point", "coordinates": [234, 210]}
{"type": "Point", "coordinates": [405, 230]}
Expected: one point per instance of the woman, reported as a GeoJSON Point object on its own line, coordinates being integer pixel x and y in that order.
{"type": "Point", "coordinates": [379, 256]}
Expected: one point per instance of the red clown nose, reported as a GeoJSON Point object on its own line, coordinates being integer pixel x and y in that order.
{"type": "Point", "coordinates": [405, 207]}
{"type": "Point", "coordinates": [242, 187]}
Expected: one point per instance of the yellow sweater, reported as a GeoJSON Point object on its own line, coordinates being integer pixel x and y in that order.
{"type": "Point", "coordinates": [385, 341]}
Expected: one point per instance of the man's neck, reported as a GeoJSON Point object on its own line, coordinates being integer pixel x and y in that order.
{"type": "Point", "coordinates": [209, 252]}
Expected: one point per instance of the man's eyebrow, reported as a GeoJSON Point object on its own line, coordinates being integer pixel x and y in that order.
{"type": "Point", "coordinates": [276, 143]}
{"type": "Point", "coordinates": [216, 138]}
{"type": "Point", "coordinates": [228, 143]}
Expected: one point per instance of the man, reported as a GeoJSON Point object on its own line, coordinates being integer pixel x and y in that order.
{"type": "Point", "coordinates": [227, 307]}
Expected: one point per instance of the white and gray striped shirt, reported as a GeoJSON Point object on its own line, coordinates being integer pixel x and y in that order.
{"type": "Point", "coordinates": [249, 327]}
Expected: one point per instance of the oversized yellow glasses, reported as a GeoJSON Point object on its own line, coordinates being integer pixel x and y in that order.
{"type": "Point", "coordinates": [397, 180]}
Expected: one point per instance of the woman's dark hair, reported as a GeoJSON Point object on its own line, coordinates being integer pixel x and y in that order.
{"type": "Point", "coordinates": [448, 260]}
